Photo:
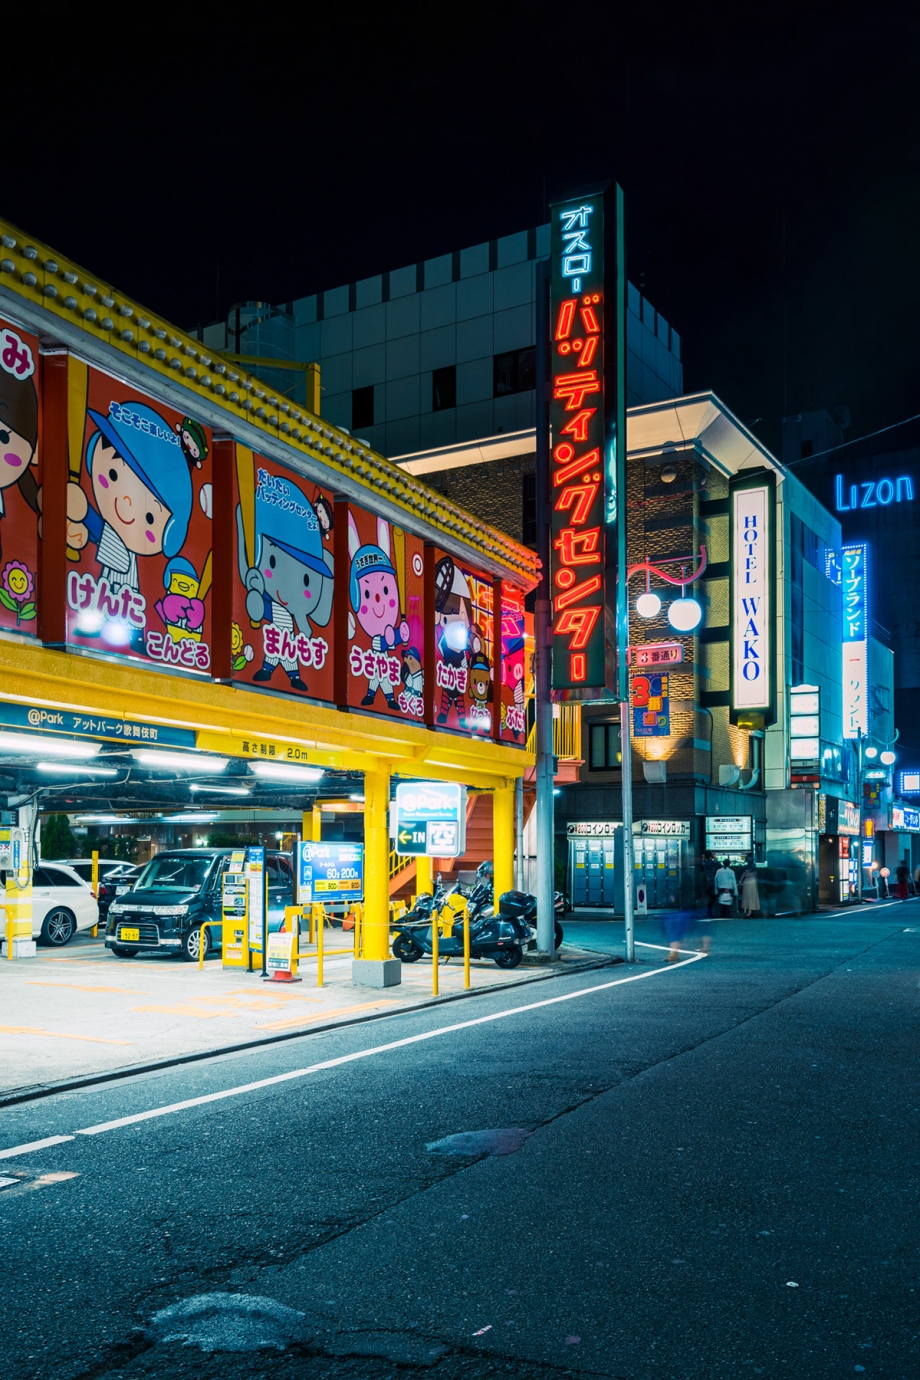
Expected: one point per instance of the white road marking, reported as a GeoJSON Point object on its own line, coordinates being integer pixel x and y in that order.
{"type": "Point", "coordinates": [33, 1145]}
{"type": "Point", "coordinates": [277, 1078]}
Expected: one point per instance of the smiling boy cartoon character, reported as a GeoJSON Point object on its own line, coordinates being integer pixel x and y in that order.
{"type": "Point", "coordinates": [289, 586]}
{"type": "Point", "coordinates": [142, 491]}
{"type": "Point", "coordinates": [374, 592]}
{"type": "Point", "coordinates": [18, 418]}
{"type": "Point", "coordinates": [480, 717]}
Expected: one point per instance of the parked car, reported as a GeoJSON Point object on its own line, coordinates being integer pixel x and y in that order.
{"type": "Point", "coordinates": [84, 867]}
{"type": "Point", "coordinates": [62, 904]}
{"type": "Point", "coordinates": [114, 884]}
{"type": "Point", "coordinates": [176, 893]}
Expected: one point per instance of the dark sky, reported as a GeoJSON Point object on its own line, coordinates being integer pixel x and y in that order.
{"type": "Point", "coordinates": [770, 157]}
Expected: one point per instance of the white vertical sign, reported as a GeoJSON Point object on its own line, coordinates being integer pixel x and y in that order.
{"type": "Point", "coordinates": [752, 669]}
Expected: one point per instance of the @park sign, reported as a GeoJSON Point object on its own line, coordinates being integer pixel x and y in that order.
{"type": "Point", "coordinates": [430, 818]}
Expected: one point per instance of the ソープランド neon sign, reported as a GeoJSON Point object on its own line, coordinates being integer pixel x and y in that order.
{"type": "Point", "coordinates": [872, 493]}
{"type": "Point", "coordinates": [854, 587]}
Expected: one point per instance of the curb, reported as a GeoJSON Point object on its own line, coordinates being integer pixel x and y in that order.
{"type": "Point", "coordinates": [34, 1094]}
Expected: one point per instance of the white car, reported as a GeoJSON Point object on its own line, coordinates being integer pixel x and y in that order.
{"type": "Point", "coordinates": [62, 903]}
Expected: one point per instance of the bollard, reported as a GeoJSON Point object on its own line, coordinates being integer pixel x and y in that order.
{"type": "Point", "coordinates": [435, 934]}
{"type": "Point", "coordinates": [466, 949]}
{"type": "Point", "coordinates": [319, 952]}
{"type": "Point", "coordinates": [95, 886]}
{"type": "Point", "coordinates": [201, 946]}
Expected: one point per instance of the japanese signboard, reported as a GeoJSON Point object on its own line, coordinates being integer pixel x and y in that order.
{"type": "Point", "coordinates": [283, 597]}
{"type": "Point", "coordinates": [657, 654]}
{"type": "Point", "coordinates": [583, 416]}
{"type": "Point", "coordinates": [650, 706]}
{"type": "Point", "coordinates": [663, 828]}
{"type": "Point", "coordinates": [138, 525]}
{"type": "Point", "coordinates": [430, 819]}
{"type": "Point", "coordinates": [385, 623]}
{"type": "Point", "coordinates": [854, 588]}
{"type": "Point", "coordinates": [464, 651]}
{"type": "Point", "coordinates": [753, 671]}
{"type": "Point", "coordinates": [20, 479]}
{"type": "Point", "coordinates": [90, 725]}
{"type": "Point", "coordinates": [517, 665]}
{"type": "Point", "coordinates": [330, 872]}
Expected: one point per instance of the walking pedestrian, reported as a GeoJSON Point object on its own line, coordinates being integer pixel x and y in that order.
{"type": "Point", "coordinates": [675, 924]}
{"type": "Point", "coordinates": [726, 888]}
{"type": "Point", "coordinates": [750, 896]}
{"type": "Point", "coordinates": [710, 868]}
{"type": "Point", "coordinates": [903, 881]}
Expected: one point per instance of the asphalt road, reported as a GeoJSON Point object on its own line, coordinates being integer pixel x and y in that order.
{"type": "Point", "coordinates": [720, 1180]}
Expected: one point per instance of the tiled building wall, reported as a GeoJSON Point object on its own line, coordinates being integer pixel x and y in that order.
{"type": "Point", "coordinates": [392, 331]}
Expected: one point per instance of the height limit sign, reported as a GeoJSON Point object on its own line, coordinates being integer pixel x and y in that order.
{"type": "Point", "coordinates": [430, 819]}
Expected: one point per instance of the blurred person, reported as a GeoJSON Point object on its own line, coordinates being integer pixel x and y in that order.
{"type": "Point", "coordinates": [675, 924]}
{"type": "Point", "coordinates": [903, 886]}
{"type": "Point", "coordinates": [750, 896]}
{"type": "Point", "coordinates": [710, 868]}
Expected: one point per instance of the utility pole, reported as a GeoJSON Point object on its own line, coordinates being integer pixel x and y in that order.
{"type": "Point", "coordinates": [545, 767]}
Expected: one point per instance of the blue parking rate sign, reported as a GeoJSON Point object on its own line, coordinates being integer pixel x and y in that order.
{"type": "Point", "coordinates": [330, 872]}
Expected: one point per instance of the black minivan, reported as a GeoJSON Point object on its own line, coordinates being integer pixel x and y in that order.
{"type": "Point", "coordinates": [176, 893]}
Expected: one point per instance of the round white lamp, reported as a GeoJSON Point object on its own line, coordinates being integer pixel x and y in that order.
{"type": "Point", "coordinates": [684, 614]}
{"type": "Point", "coordinates": [648, 605]}
{"type": "Point", "coordinates": [889, 757]}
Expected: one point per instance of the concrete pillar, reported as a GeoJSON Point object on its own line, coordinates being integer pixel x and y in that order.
{"type": "Point", "coordinates": [377, 968]}
{"type": "Point", "coordinates": [503, 838]}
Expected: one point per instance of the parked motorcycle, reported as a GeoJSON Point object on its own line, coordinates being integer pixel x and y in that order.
{"type": "Point", "coordinates": [501, 937]}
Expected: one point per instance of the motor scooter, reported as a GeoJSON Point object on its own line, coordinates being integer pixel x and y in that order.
{"type": "Point", "coordinates": [480, 901]}
{"type": "Point", "coordinates": [501, 938]}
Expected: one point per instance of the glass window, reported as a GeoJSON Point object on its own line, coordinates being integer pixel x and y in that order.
{"type": "Point", "coordinates": [362, 407]}
{"type": "Point", "coordinates": [603, 747]}
{"type": "Point", "coordinates": [58, 878]}
{"type": "Point", "coordinates": [514, 372]}
{"type": "Point", "coordinates": [174, 872]}
{"type": "Point", "coordinates": [444, 388]}
{"type": "Point", "coordinates": [40, 877]}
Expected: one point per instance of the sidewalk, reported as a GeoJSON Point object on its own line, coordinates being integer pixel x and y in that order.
{"type": "Point", "coordinates": [81, 1013]}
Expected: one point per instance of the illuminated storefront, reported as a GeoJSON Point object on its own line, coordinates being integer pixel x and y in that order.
{"type": "Point", "coordinates": [189, 559]}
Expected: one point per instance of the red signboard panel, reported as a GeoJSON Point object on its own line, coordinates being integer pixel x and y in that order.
{"type": "Point", "coordinates": [386, 650]}
{"type": "Point", "coordinates": [464, 650]}
{"type": "Point", "coordinates": [20, 478]}
{"type": "Point", "coordinates": [139, 528]}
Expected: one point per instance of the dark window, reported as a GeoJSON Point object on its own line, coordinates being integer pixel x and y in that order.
{"type": "Point", "coordinates": [55, 877]}
{"type": "Point", "coordinates": [603, 747]}
{"type": "Point", "coordinates": [444, 388]}
{"type": "Point", "coordinates": [807, 448]}
{"type": "Point", "coordinates": [362, 407]}
{"type": "Point", "coordinates": [529, 510]}
{"type": "Point", "coordinates": [514, 372]}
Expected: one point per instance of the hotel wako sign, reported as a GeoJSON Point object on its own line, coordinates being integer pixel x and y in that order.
{"type": "Point", "coordinates": [753, 615]}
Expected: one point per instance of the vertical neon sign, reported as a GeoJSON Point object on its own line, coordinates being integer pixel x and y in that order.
{"type": "Point", "coordinates": [582, 479]}
{"type": "Point", "coordinates": [854, 587]}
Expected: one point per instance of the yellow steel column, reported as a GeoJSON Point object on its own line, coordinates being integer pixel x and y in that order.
{"type": "Point", "coordinates": [376, 968]}
{"type": "Point", "coordinates": [503, 838]}
{"type": "Point", "coordinates": [423, 882]}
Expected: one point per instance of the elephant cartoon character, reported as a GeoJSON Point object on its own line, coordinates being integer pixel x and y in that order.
{"type": "Point", "coordinates": [289, 586]}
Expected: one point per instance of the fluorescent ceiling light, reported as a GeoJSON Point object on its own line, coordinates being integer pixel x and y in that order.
{"type": "Point", "coordinates": [280, 771]}
{"type": "Point", "coordinates": [105, 819]}
{"type": "Point", "coordinates": [178, 761]}
{"type": "Point", "coordinates": [70, 769]}
{"type": "Point", "coordinates": [356, 797]}
{"type": "Point", "coordinates": [46, 747]}
{"type": "Point", "coordinates": [190, 818]}
{"type": "Point", "coordinates": [220, 790]}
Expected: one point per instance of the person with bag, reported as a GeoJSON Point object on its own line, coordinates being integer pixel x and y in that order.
{"type": "Point", "coordinates": [726, 889]}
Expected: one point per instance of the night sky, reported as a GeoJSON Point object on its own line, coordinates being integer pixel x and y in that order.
{"type": "Point", "coordinates": [771, 166]}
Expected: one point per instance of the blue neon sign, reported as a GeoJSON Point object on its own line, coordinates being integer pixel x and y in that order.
{"type": "Point", "coordinates": [872, 493]}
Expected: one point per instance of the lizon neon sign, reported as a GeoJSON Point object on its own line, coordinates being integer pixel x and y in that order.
{"type": "Point", "coordinates": [854, 587]}
{"type": "Point", "coordinates": [873, 493]}
{"type": "Point", "coordinates": [585, 384]}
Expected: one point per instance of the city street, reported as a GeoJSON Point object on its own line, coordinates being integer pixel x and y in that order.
{"type": "Point", "coordinates": [714, 1174]}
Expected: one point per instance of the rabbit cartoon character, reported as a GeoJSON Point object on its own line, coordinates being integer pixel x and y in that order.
{"type": "Point", "coordinates": [374, 593]}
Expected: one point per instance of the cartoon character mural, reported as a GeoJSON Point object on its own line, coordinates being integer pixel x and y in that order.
{"type": "Point", "coordinates": [462, 603]}
{"type": "Point", "coordinates": [19, 500]}
{"type": "Point", "coordinates": [385, 629]}
{"type": "Point", "coordinates": [131, 510]}
{"type": "Point", "coordinates": [517, 655]}
{"type": "Point", "coordinates": [375, 605]}
{"type": "Point", "coordinates": [287, 574]}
